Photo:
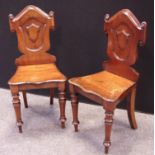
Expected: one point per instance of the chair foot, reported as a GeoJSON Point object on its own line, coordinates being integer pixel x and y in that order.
{"type": "Point", "coordinates": [63, 120]}
{"type": "Point", "coordinates": [26, 107]}
{"type": "Point", "coordinates": [106, 147]}
{"type": "Point", "coordinates": [106, 150]}
{"type": "Point", "coordinates": [19, 124]}
{"type": "Point", "coordinates": [63, 125]}
{"type": "Point", "coordinates": [108, 128]}
{"type": "Point", "coordinates": [20, 129]}
{"type": "Point", "coordinates": [76, 124]}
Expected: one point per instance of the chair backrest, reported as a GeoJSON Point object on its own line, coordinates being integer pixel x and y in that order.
{"type": "Point", "coordinates": [32, 26]}
{"type": "Point", "coordinates": [125, 33]}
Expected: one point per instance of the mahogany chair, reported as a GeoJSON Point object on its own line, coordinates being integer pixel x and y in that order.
{"type": "Point", "coordinates": [118, 79]}
{"type": "Point", "coordinates": [36, 68]}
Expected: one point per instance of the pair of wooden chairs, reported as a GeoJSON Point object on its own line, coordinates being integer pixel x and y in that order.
{"type": "Point", "coordinates": [36, 68]}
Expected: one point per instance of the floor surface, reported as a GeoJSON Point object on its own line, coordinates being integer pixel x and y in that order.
{"type": "Point", "coordinates": [42, 134]}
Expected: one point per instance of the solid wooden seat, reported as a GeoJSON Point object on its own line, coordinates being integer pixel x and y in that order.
{"type": "Point", "coordinates": [36, 69]}
{"type": "Point", "coordinates": [37, 74]}
{"type": "Point", "coordinates": [118, 80]}
{"type": "Point", "coordinates": [104, 84]}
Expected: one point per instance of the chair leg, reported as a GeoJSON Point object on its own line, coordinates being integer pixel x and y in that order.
{"type": "Point", "coordinates": [62, 103]}
{"type": "Point", "coordinates": [131, 109]}
{"type": "Point", "coordinates": [25, 99]}
{"type": "Point", "coordinates": [17, 108]}
{"type": "Point", "coordinates": [108, 128]}
{"type": "Point", "coordinates": [51, 96]}
{"type": "Point", "coordinates": [74, 102]}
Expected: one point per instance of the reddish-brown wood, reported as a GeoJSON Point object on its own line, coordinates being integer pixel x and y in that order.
{"type": "Point", "coordinates": [51, 96]}
{"type": "Point", "coordinates": [35, 68]}
{"type": "Point", "coordinates": [118, 80]}
{"type": "Point", "coordinates": [32, 26]}
{"type": "Point", "coordinates": [124, 33]}
{"type": "Point", "coordinates": [16, 104]}
{"type": "Point", "coordinates": [74, 103]}
{"type": "Point", "coordinates": [36, 74]}
{"type": "Point", "coordinates": [108, 128]}
{"type": "Point", "coordinates": [62, 102]}
{"type": "Point", "coordinates": [104, 84]}
{"type": "Point", "coordinates": [25, 98]}
{"type": "Point", "coordinates": [131, 108]}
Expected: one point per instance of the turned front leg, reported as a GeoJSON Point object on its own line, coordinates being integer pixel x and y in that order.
{"type": "Point", "coordinates": [108, 128]}
{"type": "Point", "coordinates": [62, 103]}
{"type": "Point", "coordinates": [17, 108]}
{"type": "Point", "coordinates": [74, 102]}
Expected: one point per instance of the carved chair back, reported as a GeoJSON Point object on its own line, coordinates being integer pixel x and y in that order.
{"type": "Point", "coordinates": [125, 33]}
{"type": "Point", "coordinates": [32, 26]}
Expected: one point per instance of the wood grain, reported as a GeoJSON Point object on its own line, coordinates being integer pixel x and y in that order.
{"type": "Point", "coordinates": [104, 84]}
{"type": "Point", "coordinates": [37, 74]}
{"type": "Point", "coordinates": [118, 79]}
{"type": "Point", "coordinates": [36, 68]}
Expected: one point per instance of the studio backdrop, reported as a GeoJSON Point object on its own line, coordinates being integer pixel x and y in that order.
{"type": "Point", "coordinates": [79, 42]}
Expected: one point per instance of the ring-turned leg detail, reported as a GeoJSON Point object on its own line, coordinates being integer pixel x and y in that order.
{"type": "Point", "coordinates": [74, 102]}
{"type": "Point", "coordinates": [16, 104]}
{"type": "Point", "coordinates": [62, 103]}
{"type": "Point", "coordinates": [108, 128]}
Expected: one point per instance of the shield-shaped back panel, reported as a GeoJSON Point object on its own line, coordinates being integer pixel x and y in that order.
{"type": "Point", "coordinates": [32, 26]}
{"type": "Point", "coordinates": [125, 32]}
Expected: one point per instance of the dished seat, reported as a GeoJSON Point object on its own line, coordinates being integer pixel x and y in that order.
{"type": "Point", "coordinates": [36, 74]}
{"type": "Point", "coordinates": [104, 84]}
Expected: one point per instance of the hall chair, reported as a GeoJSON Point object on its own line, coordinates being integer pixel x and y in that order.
{"type": "Point", "coordinates": [118, 79]}
{"type": "Point", "coordinates": [36, 68]}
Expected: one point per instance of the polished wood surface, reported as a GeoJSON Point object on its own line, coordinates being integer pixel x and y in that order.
{"type": "Point", "coordinates": [51, 96]}
{"type": "Point", "coordinates": [124, 33]}
{"type": "Point", "coordinates": [36, 68]}
{"type": "Point", "coordinates": [34, 59]}
{"type": "Point", "coordinates": [104, 84]}
{"type": "Point", "coordinates": [121, 69]}
{"type": "Point", "coordinates": [37, 74]}
{"type": "Point", "coordinates": [25, 99]}
{"type": "Point", "coordinates": [32, 26]}
{"type": "Point", "coordinates": [118, 80]}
